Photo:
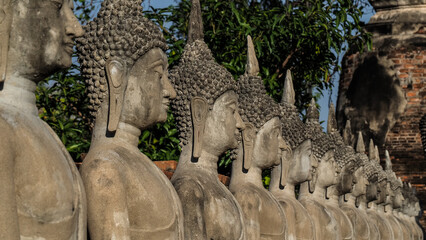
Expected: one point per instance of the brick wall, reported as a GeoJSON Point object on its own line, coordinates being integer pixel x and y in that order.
{"type": "Point", "coordinates": [403, 141]}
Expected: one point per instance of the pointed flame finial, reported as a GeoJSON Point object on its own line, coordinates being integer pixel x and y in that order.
{"type": "Point", "coordinates": [360, 146]}
{"type": "Point", "coordinates": [331, 123]}
{"type": "Point", "coordinates": [288, 93]}
{"type": "Point", "coordinates": [347, 134]}
{"type": "Point", "coordinates": [312, 113]}
{"type": "Point", "coordinates": [252, 66]}
{"type": "Point", "coordinates": [371, 150]}
{"type": "Point", "coordinates": [388, 161]}
{"type": "Point", "coordinates": [196, 30]}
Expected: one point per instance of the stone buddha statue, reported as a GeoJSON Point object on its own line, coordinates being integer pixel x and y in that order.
{"type": "Point", "coordinates": [123, 61]}
{"type": "Point", "coordinates": [296, 167]}
{"type": "Point", "coordinates": [354, 204]}
{"type": "Point", "coordinates": [312, 193]}
{"type": "Point", "coordinates": [206, 112]}
{"type": "Point", "coordinates": [345, 157]}
{"type": "Point", "coordinates": [404, 213]}
{"type": "Point", "coordinates": [260, 149]}
{"type": "Point", "coordinates": [42, 194]}
{"type": "Point", "coordinates": [395, 201]}
{"type": "Point", "coordinates": [379, 191]}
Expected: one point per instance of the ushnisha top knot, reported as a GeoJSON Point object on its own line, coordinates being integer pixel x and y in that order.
{"type": "Point", "coordinates": [120, 31]}
{"type": "Point", "coordinates": [197, 75]}
{"type": "Point", "coordinates": [256, 107]}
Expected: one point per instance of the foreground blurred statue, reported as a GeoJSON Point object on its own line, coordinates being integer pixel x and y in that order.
{"type": "Point", "coordinates": [42, 196]}
{"type": "Point", "coordinates": [206, 111]}
{"type": "Point", "coordinates": [261, 149]}
{"type": "Point", "coordinates": [296, 167]}
{"type": "Point", "coordinates": [122, 59]}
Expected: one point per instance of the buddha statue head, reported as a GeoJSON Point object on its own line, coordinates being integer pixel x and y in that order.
{"type": "Point", "coordinates": [123, 61]}
{"type": "Point", "coordinates": [395, 191]}
{"type": "Point", "coordinates": [344, 155]}
{"type": "Point", "coordinates": [324, 165]}
{"type": "Point", "coordinates": [297, 165]}
{"type": "Point", "coordinates": [206, 107]}
{"type": "Point", "coordinates": [37, 38]}
{"type": "Point", "coordinates": [262, 136]}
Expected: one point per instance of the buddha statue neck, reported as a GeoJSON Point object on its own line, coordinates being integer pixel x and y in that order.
{"type": "Point", "coordinates": [19, 92]}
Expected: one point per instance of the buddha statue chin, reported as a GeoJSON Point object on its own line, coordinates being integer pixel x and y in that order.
{"type": "Point", "coordinates": [43, 197]}
{"type": "Point", "coordinates": [128, 196]}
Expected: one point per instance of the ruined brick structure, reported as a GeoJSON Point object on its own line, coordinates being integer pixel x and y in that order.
{"type": "Point", "coordinates": [383, 92]}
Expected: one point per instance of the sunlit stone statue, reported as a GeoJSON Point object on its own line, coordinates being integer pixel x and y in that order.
{"type": "Point", "coordinates": [363, 174]}
{"type": "Point", "coordinates": [395, 201]}
{"type": "Point", "coordinates": [296, 167]}
{"type": "Point", "coordinates": [313, 192]}
{"type": "Point", "coordinates": [123, 61]}
{"type": "Point", "coordinates": [42, 196]}
{"type": "Point", "coordinates": [344, 157]}
{"type": "Point", "coordinates": [375, 210]}
{"type": "Point", "coordinates": [206, 112]}
{"type": "Point", "coordinates": [260, 149]}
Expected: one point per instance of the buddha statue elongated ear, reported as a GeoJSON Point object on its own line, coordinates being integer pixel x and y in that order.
{"type": "Point", "coordinates": [284, 158]}
{"type": "Point", "coordinates": [199, 109]}
{"type": "Point", "coordinates": [249, 134]}
{"type": "Point", "coordinates": [5, 27]}
{"type": "Point", "coordinates": [117, 82]}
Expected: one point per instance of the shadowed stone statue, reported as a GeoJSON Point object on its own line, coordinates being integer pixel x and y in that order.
{"type": "Point", "coordinates": [313, 192]}
{"type": "Point", "coordinates": [410, 211]}
{"type": "Point", "coordinates": [296, 167]}
{"type": "Point", "coordinates": [354, 204]}
{"type": "Point", "coordinates": [261, 149]}
{"type": "Point", "coordinates": [395, 202]}
{"type": "Point", "coordinates": [42, 196]}
{"type": "Point", "coordinates": [344, 156]}
{"type": "Point", "coordinates": [375, 209]}
{"type": "Point", "coordinates": [206, 112]}
{"type": "Point", "coordinates": [123, 61]}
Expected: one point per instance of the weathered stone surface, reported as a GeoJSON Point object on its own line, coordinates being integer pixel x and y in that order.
{"type": "Point", "coordinates": [128, 196]}
{"type": "Point", "coordinates": [206, 111]}
{"type": "Point", "coordinates": [42, 195]}
{"type": "Point", "coordinates": [260, 149]}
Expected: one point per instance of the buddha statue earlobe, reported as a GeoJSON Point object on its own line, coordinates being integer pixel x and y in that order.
{"type": "Point", "coordinates": [284, 158]}
{"type": "Point", "coordinates": [199, 109]}
{"type": "Point", "coordinates": [249, 134]}
{"type": "Point", "coordinates": [5, 25]}
{"type": "Point", "coordinates": [117, 82]}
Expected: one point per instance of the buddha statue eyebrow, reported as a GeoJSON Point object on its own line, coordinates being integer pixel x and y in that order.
{"type": "Point", "coordinates": [159, 62]}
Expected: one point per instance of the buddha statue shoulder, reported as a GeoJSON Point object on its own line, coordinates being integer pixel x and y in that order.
{"type": "Point", "coordinates": [206, 113]}
{"type": "Point", "coordinates": [261, 148]}
{"type": "Point", "coordinates": [123, 61]}
{"type": "Point", "coordinates": [43, 196]}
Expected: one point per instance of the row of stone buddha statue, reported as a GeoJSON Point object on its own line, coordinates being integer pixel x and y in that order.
{"type": "Point", "coordinates": [120, 194]}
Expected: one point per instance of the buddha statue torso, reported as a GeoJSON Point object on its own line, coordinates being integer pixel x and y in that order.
{"type": "Point", "coordinates": [48, 205]}
{"type": "Point", "coordinates": [343, 221]}
{"type": "Point", "coordinates": [303, 227]}
{"type": "Point", "coordinates": [361, 227]}
{"type": "Point", "coordinates": [153, 210]}
{"type": "Point", "coordinates": [252, 198]}
{"type": "Point", "coordinates": [382, 224]}
{"type": "Point", "coordinates": [396, 227]}
{"type": "Point", "coordinates": [213, 202]}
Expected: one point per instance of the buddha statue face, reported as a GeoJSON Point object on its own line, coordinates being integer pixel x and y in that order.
{"type": "Point", "coordinates": [361, 182]}
{"type": "Point", "coordinates": [382, 192]}
{"type": "Point", "coordinates": [222, 125]}
{"type": "Point", "coordinates": [146, 98]}
{"type": "Point", "coordinates": [268, 144]}
{"type": "Point", "coordinates": [302, 163]}
{"type": "Point", "coordinates": [328, 172]}
{"type": "Point", "coordinates": [397, 198]}
{"type": "Point", "coordinates": [372, 191]}
{"type": "Point", "coordinates": [42, 37]}
{"type": "Point", "coordinates": [346, 179]}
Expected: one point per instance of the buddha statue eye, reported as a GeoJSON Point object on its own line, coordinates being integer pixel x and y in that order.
{"type": "Point", "coordinates": [57, 3]}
